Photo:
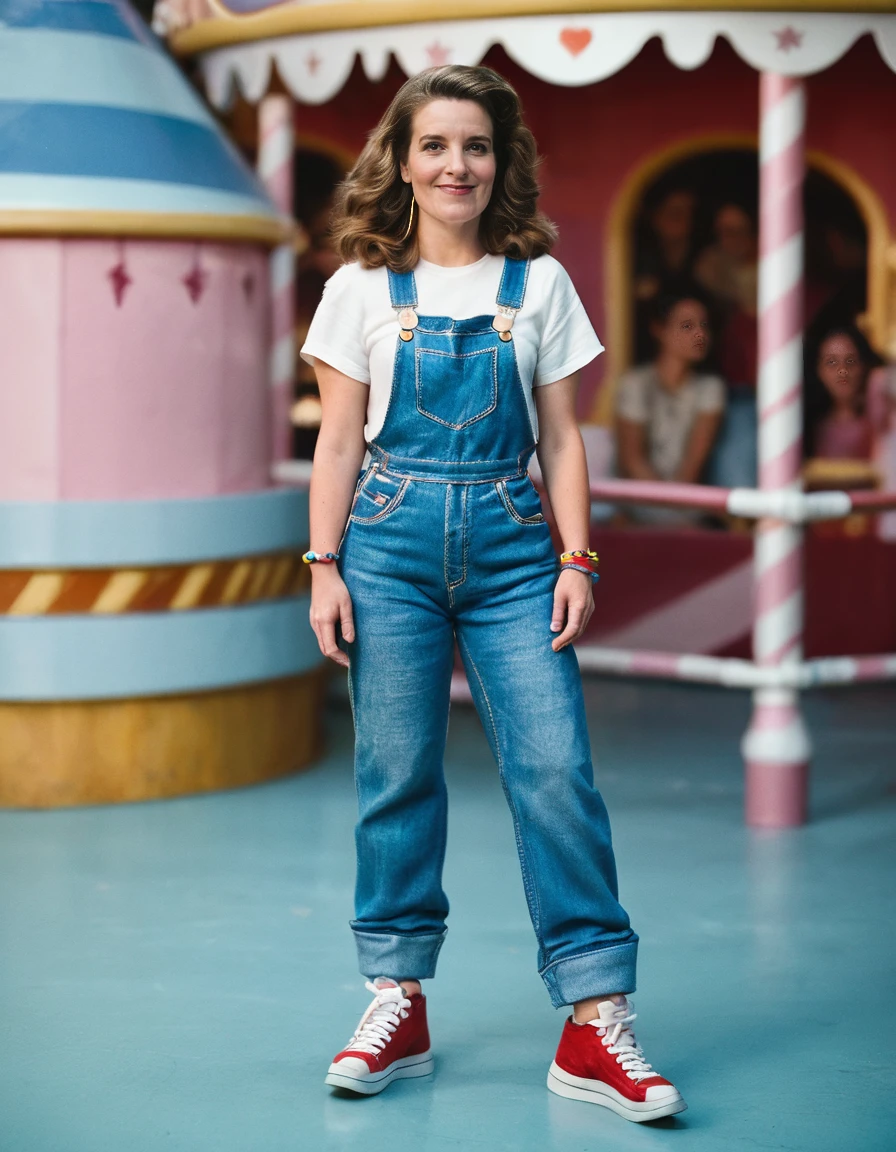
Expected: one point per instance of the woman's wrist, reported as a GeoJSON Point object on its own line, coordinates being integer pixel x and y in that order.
{"type": "Point", "coordinates": [582, 560]}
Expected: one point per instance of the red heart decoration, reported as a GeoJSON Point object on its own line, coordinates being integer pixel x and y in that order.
{"type": "Point", "coordinates": [575, 40]}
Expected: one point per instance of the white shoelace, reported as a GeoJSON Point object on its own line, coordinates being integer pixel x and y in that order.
{"type": "Point", "coordinates": [380, 1020]}
{"type": "Point", "coordinates": [619, 1040]}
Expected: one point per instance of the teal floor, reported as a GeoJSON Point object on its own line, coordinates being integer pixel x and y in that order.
{"type": "Point", "coordinates": [176, 976]}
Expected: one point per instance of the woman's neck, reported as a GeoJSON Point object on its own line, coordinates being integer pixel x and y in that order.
{"type": "Point", "coordinates": [671, 370]}
{"type": "Point", "coordinates": [449, 246]}
{"type": "Point", "coordinates": [846, 410]}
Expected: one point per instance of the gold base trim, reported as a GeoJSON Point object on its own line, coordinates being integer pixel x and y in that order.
{"type": "Point", "coordinates": [289, 20]}
{"type": "Point", "coordinates": [175, 588]}
{"type": "Point", "coordinates": [57, 755]}
{"type": "Point", "coordinates": [176, 226]}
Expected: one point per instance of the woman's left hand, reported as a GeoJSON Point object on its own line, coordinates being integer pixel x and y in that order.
{"type": "Point", "coordinates": [573, 605]}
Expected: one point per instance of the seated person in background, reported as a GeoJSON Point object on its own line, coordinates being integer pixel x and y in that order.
{"type": "Point", "coordinates": [667, 412]}
{"type": "Point", "coordinates": [728, 268]}
{"type": "Point", "coordinates": [838, 426]}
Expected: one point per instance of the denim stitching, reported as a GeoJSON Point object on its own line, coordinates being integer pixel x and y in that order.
{"type": "Point", "coordinates": [445, 555]}
{"type": "Point", "coordinates": [529, 886]}
{"type": "Point", "coordinates": [507, 301]}
{"type": "Point", "coordinates": [418, 383]}
{"type": "Point", "coordinates": [463, 521]}
{"type": "Point", "coordinates": [388, 510]}
{"type": "Point", "coordinates": [438, 460]}
{"type": "Point", "coordinates": [362, 480]}
{"type": "Point", "coordinates": [501, 487]}
{"type": "Point", "coordinates": [399, 284]}
{"type": "Point", "coordinates": [424, 327]}
{"type": "Point", "coordinates": [584, 955]}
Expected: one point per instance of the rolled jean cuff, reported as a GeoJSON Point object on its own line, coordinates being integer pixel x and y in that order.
{"type": "Point", "coordinates": [600, 972]}
{"type": "Point", "coordinates": [398, 957]}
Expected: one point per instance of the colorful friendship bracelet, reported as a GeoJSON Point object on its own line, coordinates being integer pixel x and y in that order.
{"type": "Point", "coordinates": [320, 557]}
{"type": "Point", "coordinates": [581, 560]}
{"type": "Point", "coordinates": [579, 554]}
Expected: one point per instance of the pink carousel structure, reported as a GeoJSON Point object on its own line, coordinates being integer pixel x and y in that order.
{"type": "Point", "coordinates": [153, 608]}
{"type": "Point", "coordinates": [616, 92]}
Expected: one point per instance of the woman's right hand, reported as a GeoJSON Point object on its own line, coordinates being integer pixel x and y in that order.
{"type": "Point", "coordinates": [331, 605]}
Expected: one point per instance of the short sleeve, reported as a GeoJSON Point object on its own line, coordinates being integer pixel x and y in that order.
{"type": "Point", "coordinates": [336, 333]}
{"type": "Point", "coordinates": [711, 397]}
{"type": "Point", "coordinates": [631, 398]}
{"type": "Point", "coordinates": [568, 341]}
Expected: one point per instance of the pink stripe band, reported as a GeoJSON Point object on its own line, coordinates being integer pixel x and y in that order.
{"type": "Point", "coordinates": [791, 397]}
{"type": "Point", "coordinates": [779, 583]}
{"type": "Point", "coordinates": [781, 197]}
{"type": "Point", "coordinates": [781, 323]}
{"type": "Point", "coordinates": [781, 470]}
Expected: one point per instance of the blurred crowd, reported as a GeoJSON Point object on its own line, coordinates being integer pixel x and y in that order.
{"type": "Point", "coordinates": [687, 410]}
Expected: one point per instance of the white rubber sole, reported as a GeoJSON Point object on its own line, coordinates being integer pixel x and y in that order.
{"type": "Point", "coordinates": [577, 1088]}
{"type": "Point", "coordinates": [421, 1065]}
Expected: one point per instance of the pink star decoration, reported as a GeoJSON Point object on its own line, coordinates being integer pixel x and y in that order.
{"type": "Point", "coordinates": [313, 62]}
{"type": "Point", "coordinates": [789, 38]}
{"type": "Point", "coordinates": [194, 282]}
{"type": "Point", "coordinates": [438, 53]}
{"type": "Point", "coordinates": [120, 282]}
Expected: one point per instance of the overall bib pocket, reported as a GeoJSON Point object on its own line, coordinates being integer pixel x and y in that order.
{"type": "Point", "coordinates": [521, 500]}
{"type": "Point", "coordinates": [378, 496]}
{"type": "Point", "coordinates": [456, 389]}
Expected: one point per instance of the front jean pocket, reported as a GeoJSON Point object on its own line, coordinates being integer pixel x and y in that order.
{"type": "Point", "coordinates": [456, 389]}
{"type": "Point", "coordinates": [378, 496]}
{"type": "Point", "coordinates": [523, 503]}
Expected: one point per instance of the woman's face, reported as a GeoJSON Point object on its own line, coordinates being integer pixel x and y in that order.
{"type": "Point", "coordinates": [840, 369]}
{"type": "Point", "coordinates": [685, 332]}
{"type": "Point", "coordinates": [451, 161]}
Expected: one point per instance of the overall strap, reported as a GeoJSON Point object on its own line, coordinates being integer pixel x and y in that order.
{"type": "Point", "coordinates": [512, 290]}
{"type": "Point", "coordinates": [402, 289]}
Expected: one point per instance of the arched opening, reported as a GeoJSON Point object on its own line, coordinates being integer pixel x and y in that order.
{"type": "Point", "coordinates": [847, 238]}
{"type": "Point", "coordinates": [696, 229]}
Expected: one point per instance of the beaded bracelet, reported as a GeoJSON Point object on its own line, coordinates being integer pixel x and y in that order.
{"type": "Point", "coordinates": [581, 560]}
{"type": "Point", "coordinates": [320, 557]}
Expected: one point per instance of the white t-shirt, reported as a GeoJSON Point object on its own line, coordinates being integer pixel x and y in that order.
{"type": "Point", "coordinates": [669, 416]}
{"type": "Point", "coordinates": [355, 328]}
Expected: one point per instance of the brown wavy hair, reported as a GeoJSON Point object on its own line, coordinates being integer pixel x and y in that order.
{"type": "Point", "coordinates": [373, 203]}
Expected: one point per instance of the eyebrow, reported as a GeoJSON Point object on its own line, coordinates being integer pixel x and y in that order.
{"type": "Point", "coordinates": [470, 139]}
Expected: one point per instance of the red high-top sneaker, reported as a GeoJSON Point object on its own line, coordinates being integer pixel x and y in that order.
{"type": "Point", "coordinates": [392, 1041]}
{"type": "Point", "coordinates": [601, 1062]}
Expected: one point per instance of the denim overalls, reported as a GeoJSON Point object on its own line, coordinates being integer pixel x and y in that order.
{"type": "Point", "coordinates": [446, 540]}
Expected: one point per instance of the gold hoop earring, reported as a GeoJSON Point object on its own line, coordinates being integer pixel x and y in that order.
{"type": "Point", "coordinates": [410, 219]}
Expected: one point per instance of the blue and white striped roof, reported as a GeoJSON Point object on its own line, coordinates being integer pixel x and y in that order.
{"type": "Point", "coordinates": [97, 123]}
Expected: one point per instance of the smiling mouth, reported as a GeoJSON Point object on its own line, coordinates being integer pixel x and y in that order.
{"type": "Point", "coordinates": [455, 189]}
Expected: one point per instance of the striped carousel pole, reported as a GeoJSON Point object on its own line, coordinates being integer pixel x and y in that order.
{"type": "Point", "coordinates": [776, 746]}
{"type": "Point", "coordinates": [276, 145]}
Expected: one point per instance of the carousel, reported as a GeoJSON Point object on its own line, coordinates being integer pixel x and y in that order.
{"type": "Point", "coordinates": [778, 113]}
{"type": "Point", "coordinates": [153, 604]}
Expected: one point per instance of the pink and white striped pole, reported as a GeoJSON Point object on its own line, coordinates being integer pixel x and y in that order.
{"type": "Point", "coordinates": [276, 144]}
{"type": "Point", "coordinates": [776, 746]}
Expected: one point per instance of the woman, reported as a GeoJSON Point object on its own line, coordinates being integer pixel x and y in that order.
{"type": "Point", "coordinates": [838, 424]}
{"type": "Point", "coordinates": [427, 344]}
{"type": "Point", "coordinates": [667, 413]}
